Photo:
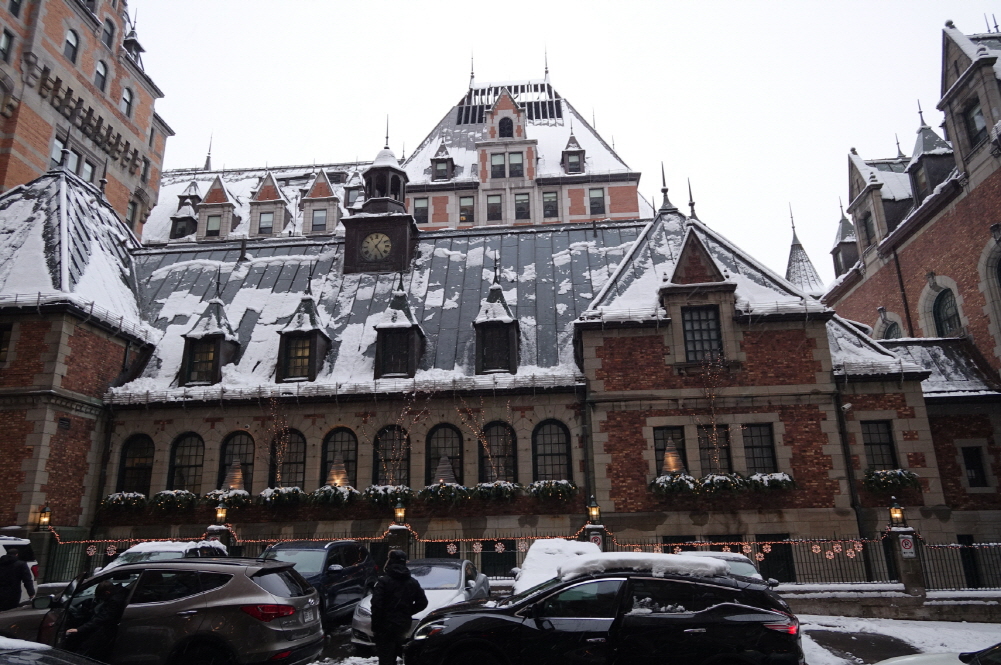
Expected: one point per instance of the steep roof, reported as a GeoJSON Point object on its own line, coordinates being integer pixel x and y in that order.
{"type": "Point", "coordinates": [976, 46]}
{"type": "Point", "coordinates": [928, 143]}
{"type": "Point", "coordinates": [846, 230]}
{"type": "Point", "coordinates": [889, 172]}
{"type": "Point", "coordinates": [800, 270]}
{"type": "Point", "coordinates": [548, 275]}
{"type": "Point", "coordinates": [60, 239]}
{"type": "Point", "coordinates": [854, 354]}
{"type": "Point", "coordinates": [953, 363]}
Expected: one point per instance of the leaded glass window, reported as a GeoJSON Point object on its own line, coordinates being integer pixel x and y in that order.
{"type": "Point", "coordinates": [137, 465]}
{"type": "Point", "coordinates": [443, 441]}
{"type": "Point", "coordinates": [702, 333]}
{"type": "Point", "coordinates": [340, 443]}
{"type": "Point", "coordinates": [186, 458]}
{"type": "Point", "coordinates": [288, 456]}
{"type": "Point", "coordinates": [497, 454]}
{"type": "Point", "coordinates": [392, 457]}
{"type": "Point", "coordinates": [238, 447]}
{"type": "Point", "coordinates": [714, 449]}
{"type": "Point", "coordinates": [551, 451]}
{"type": "Point", "coordinates": [759, 448]}
{"type": "Point", "coordinates": [669, 450]}
{"type": "Point", "coordinates": [947, 323]}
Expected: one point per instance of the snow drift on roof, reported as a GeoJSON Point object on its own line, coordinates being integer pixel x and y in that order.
{"type": "Point", "coordinates": [855, 354]}
{"type": "Point", "coordinates": [896, 184]}
{"type": "Point", "coordinates": [954, 370]}
{"type": "Point", "coordinates": [545, 558]}
{"type": "Point", "coordinates": [657, 564]}
{"type": "Point", "coordinates": [800, 271]}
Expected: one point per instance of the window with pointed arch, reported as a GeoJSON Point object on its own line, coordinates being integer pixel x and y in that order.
{"type": "Point", "coordinates": [392, 457]}
{"type": "Point", "coordinates": [187, 455]}
{"type": "Point", "coordinates": [498, 453]}
{"type": "Point", "coordinates": [288, 460]}
{"type": "Point", "coordinates": [340, 445]}
{"type": "Point", "coordinates": [443, 440]}
{"type": "Point", "coordinates": [136, 469]}
{"type": "Point", "coordinates": [551, 451]}
{"type": "Point", "coordinates": [237, 447]}
{"type": "Point", "coordinates": [71, 46]}
{"type": "Point", "coordinates": [947, 323]}
{"type": "Point", "coordinates": [505, 128]}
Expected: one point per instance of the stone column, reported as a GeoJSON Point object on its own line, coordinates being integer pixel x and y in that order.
{"type": "Point", "coordinates": [595, 533]}
{"type": "Point", "coordinates": [905, 553]}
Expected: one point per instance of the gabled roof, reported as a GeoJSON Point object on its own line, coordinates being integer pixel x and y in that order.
{"type": "Point", "coordinates": [694, 265]}
{"type": "Point", "coordinates": [854, 354]}
{"type": "Point", "coordinates": [306, 318]}
{"type": "Point", "coordinates": [60, 237]}
{"type": "Point", "coordinates": [888, 172]}
{"type": "Point", "coordinates": [800, 271]}
{"type": "Point", "coordinates": [974, 47]}
{"type": "Point", "coordinates": [572, 143]}
{"type": "Point", "coordinates": [269, 190]}
{"type": "Point", "coordinates": [442, 152]}
{"type": "Point", "coordinates": [320, 187]}
{"type": "Point", "coordinates": [928, 143]}
{"type": "Point", "coordinates": [955, 368]}
{"type": "Point", "coordinates": [213, 321]}
{"type": "Point", "coordinates": [494, 309]}
{"type": "Point", "coordinates": [217, 193]}
{"type": "Point", "coordinates": [398, 314]}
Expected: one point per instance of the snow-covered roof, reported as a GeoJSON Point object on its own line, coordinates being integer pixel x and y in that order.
{"type": "Point", "coordinates": [546, 557]}
{"type": "Point", "coordinates": [846, 231]}
{"type": "Point", "coordinates": [955, 371]}
{"type": "Point", "coordinates": [853, 354]}
{"type": "Point", "coordinates": [800, 270]}
{"type": "Point", "coordinates": [548, 276]}
{"type": "Point", "coordinates": [241, 185]}
{"type": "Point", "coordinates": [928, 143]}
{"type": "Point", "coordinates": [889, 172]}
{"type": "Point", "coordinates": [61, 240]}
{"type": "Point", "coordinates": [987, 45]}
{"type": "Point", "coordinates": [656, 564]}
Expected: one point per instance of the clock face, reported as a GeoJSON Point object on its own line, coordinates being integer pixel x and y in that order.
{"type": "Point", "coordinates": [376, 247]}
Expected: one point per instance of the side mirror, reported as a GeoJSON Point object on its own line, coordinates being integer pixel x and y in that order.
{"type": "Point", "coordinates": [772, 582]}
{"type": "Point", "coordinates": [334, 567]}
{"type": "Point", "coordinates": [967, 657]}
{"type": "Point", "coordinates": [540, 622]}
{"type": "Point", "coordinates": [470, 584]}
{"type": "Point", "coordinates": [42, 602]}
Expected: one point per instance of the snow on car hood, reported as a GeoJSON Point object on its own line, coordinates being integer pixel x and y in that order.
{"type": "Point", "coordinates": [925, 659]}
{"type": "Point", "coordinates": [657, 564]}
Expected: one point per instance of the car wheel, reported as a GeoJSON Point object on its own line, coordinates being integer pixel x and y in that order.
{"type": "Point", "coordinates": [203, 654]}
{"type": "Point", "coordinates": [478, 656]}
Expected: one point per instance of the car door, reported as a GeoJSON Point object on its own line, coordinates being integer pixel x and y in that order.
{"type": "Point", "coordinates": [571, 626]}
{"type": "Point", "coordinates": [476, 583]}
{"type": "Point", "coordinates": [355, 575]}
{"type": "Point", "coordinates": [80, 606]}
{"type": "Point", "coordinates": [166, 606]}
{"type": "Point", "coordinates": [335, 580]}
{"type": "Point", "coordinates": [659, 617]}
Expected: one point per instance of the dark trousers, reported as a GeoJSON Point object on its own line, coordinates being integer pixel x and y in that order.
{"type": "Point", "coordinates": [389, 645]}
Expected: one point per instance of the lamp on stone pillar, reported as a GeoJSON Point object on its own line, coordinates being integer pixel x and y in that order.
{"type": "Point", "coordinates": [594, 531]}
{"type": "Point", "coordinates": [400, 513]}
{"type": "Point", "coordinates": [897, 517]}
{"type": "Point", "coordinates": [44, 517]}
{"type": "Point", "coordinates": [220, 513]}
{"type": "Point", "coordinates": [593, 511]}
{"type": "Point", "coordinates": [911, 573]}
{"type": "Point", "coordinates": [398, 537]}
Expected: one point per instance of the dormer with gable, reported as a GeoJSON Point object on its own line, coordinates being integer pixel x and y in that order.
{"type": "Point", "coordinates": [269, 209]}
{"type": "Point", "coordinates": [442, 164]}
{"type": "Point", "coordinates": [931, 162]}
{"type": "Point", "coordinates": [208, 345]}
{"type": "Point", "coordinates": [399, 339]}
{"type": "Point", "coordinates": [217, 212]}
{"type": "Point", "coordinates": [497, 333]}
{"type": "Point", "coordinates": [304, 344]}
{"type": "Point", "coordinates": [573, 156]}
{"type": "Point", "coordinates": [321, 210]}
{"type": "Point", "coordinates": [507, 157]}
{"type": "Point", "coordinates": [880, 193]}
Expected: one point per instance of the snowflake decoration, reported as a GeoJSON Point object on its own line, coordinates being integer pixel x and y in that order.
{"type": "Point", "coordinates": [522, 545]}
{"type": "Point", "coordinates": [726, 548]}
{"type": "Point", "coordinates": [766, 548]}
{"type": "Point", "coordinates": [746, 549]}
{"type": "Point", "coordinates": [111, 551]}
{"type": "Point", "coordinates": [658, 549]}
{"type": "Point", "coordinates": [477, 547]}
{"type": "Point", "coordinates": [499, 547]}
{"type": "Point", "coordinates": [451, 548]}
{"type": "Point", "coordinates": [91, 550]}
{"type": "Point", "coordinates": [677, 550]}
{"type": "Point", "coordinates": [858, 546]}
{"type": "Point", "coordinates": [829, 554]}
{"type": "Point", "coordinates": [637, 549]}
{"type": "Point", "coordinates": [836, 547]}
{"type": "Point", "coordinates": [759, 556]}
{"type": "Point", "coordinates": [815, 549]}
{"type": "Point", "coordinates": [850, 554]}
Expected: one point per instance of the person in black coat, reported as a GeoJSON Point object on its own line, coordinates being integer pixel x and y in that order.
{"type": "Point", "coordinates": [396, 598]}
{"type": "Point", "coordinates": [95, 638]}
{"type": "Point", "coordinates": [13, 573]}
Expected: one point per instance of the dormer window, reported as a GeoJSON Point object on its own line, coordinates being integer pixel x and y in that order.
{"type": "Point", "coordinates": [976, 126]}
{"type": "Point", "coordinates": [397, 352]}
{"type": "Point", "coordinates": [266, 224]}
{"type": "Point", "coordinates": [352, 195]}
{"type": "Point", "coordinates": [212, 225]}
{"type": "Point", "coordinates": [702, 333]}
{"type": "Point", "coordinates": [182, 227]}
{"type": "Point", "coordinates": [441, 170]}
{"type": "Point", "coordinates": [920, 184]}
{"type": "Point", "coordinates": [496, 348]}
{"type": "Point", "coordinates": [299, 355]}
{"type": "Point", "coordinates": [573, 163]}
{"type": "Point", "coordinates": [203, 355]}
{"type": "Point", "coordinates": [505, 128]}
{"type": "Point", "coordinates": [319, 222]}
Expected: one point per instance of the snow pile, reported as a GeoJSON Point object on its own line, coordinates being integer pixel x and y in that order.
{"type": "Point", "coordinates": [174, 546]}
{"type": "Point", "coordinates": [657, 564]}
{"type": "Point", "coordinates": [546, 557]}
{"type": "Point", "coordinates": [10, 644]}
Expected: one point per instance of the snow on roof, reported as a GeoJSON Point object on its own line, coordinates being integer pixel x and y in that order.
{"type": "Point", "coordinates": [976, 46]}
{"type": "Point", "coordinates": [955, 372]}
{"type": "Point", "coordinates": [547, 275]}
{"type": "Point", "coordinates": [855, 354]}
{"type": "Point", "coordinates": [800, 270]}
{"type": "Point", "coordinates": [657, 564]}
{"type": "Point", "coordinates": [888, 172]}
{"type": "Point", "coordinates": [174, 546]}
{"type": "Point", "coordinates": [546, 557]}
{"type": "Point", "coordinates": [240, 185]}
{"type": "Point", "coordinates": [928, 143]}
{"type": "Point", "coordinates": [846, 231]}
{"type": "Point", "coordinates": [60, 239]}
{"type": "Point", "coordinates": [385, 157]}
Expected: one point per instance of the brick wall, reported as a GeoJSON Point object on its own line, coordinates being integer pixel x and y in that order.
{"type": "Point", "coordinates": [67, 468]}
{"type": "Point", "coordinates": [92, 363]}
{"type": "Point", "coordinates": [623, 200]}
{"type": "Point", "coordinates": [15, 427]}
{"type": "Point", "coordinates": [945, 431]}
{"type": "Point", "coordinates": [31, 350]}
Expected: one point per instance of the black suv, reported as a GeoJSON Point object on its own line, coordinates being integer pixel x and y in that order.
{"type": "Point", "coordinates": [626, 616]}
{"type": "Point", "coordinates": [342, 571]}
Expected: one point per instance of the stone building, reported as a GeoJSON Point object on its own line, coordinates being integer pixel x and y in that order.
{"type": "Point", "coordinates": [920, 266]}
{"type": "Point", "coordinates": [74, 92]}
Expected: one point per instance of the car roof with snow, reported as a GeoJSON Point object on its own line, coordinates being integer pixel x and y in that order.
{"type": "Point", "coordinates": [657, 565]}
{"type": "Point", "coordinates": [725, 556]}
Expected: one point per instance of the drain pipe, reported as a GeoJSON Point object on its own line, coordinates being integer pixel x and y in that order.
{"type": "Point", "coordinates": [846, 453]}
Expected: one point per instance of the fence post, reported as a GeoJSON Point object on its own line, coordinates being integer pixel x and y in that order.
{"type": "Point", "coordinates": [398, 538]}
{"type": "Point", "coordinates": [905, 552]}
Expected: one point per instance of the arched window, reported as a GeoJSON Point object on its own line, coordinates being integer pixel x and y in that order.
{"type": "Point", "coordinates": [395, 188]}
{"type": "Point", "coordinates": [497, 454]}
{"type": "Point", "coordinates": [108, 33]}
{"type": "Point", "coordinates": [505, 128]}
{"type": "Point", "coordinates": [137, 465]}
{"type": "Point", "coordinates": [551, 451]}
{"type": "Point", "coordinates": [100, 75]}
{"type": "Point", "coordinates": [443, 441]}
{"type": "Point", "coordinates": [892, 330]}
{"type": "Point", "coordinates": [392, 457]}
{"type": "Point", "coordinates": [238, 447]}
{"type": "Point", "coordinates": [340, 445]}
{"type": "Point", "coordinates": [288, 455]}
{"type": "Point", "coordinates": [186, 457]}
{"type": "Point", "coordinates": [126, 105]}
{"type": "Point", "coordinates": [71, 46]}
{"type": "Point", "coordinates": [947, 322]}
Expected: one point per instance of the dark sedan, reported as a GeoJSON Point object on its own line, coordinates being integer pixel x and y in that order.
{"type": "Point", "coordinates": [625, 616]}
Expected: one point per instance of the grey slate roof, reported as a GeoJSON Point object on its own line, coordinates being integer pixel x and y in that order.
{"type": "Point", "coordinates": [955, 371]}
{"type": "Point", "coordinates": [800, 270]}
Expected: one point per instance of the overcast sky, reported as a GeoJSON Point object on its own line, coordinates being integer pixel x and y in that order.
{"type": "Point", "coordinates": [757, 102]}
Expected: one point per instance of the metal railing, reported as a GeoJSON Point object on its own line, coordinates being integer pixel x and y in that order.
{"type": "Point", "coordinates": [953, 566]}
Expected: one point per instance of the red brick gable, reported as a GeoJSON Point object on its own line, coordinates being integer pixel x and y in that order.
{"type": "Point", "coordinates": [320, 189]}
{"type": "Point", "coordinates": [268, 191]}
{"type": "Point", "coordinates": [695, 266]}
{"type": "Point", "coordinates": [216, 194]}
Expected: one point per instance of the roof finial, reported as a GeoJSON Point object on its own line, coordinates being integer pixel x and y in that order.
{"type": "Point", "coordinates": [691, 201]}
{"type": "Point", "coordinates": [309, 280]}
{"type": "Point", "coordinates": [900, 154]}
{"type": "Point", "coordinates": [208, 157]}
{"type": "Point", "coordinates": [840, 205]}
{"type": "Point", "coordinates": [987, 22]}
{"type": "Point", "coordinates": [666, 205]}
{"type": "Point", "coordinates": [472, 74]}
{"type": "Point", "coordinates": [791, 220]}
{"type": "Point", "coordinates": [994, 18]}
{"type": "Point", "coordinates": [404, 156]}
{"type": "Point", "coordinates": [496, 268]}
{"type": "Point", "coordinates": [545, 54]}
{"type": "Point", "coordinates": [218, 281]}
{"type": "Point", "coordinates": [387, 131]}
{"type": "Point", "coordinates": [921, 114]}
{"type": "Point", "coordinates": [594, 125]}
{"type": "Point", "coordinates": [400, 287]}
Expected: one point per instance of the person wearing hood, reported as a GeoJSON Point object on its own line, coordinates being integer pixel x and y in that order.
{"type": "Point", "coordinates": [396, 598]}
{"type": "Point", "coordinates": [13, 573]}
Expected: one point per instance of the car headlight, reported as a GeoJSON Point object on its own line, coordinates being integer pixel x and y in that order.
{"type": "Point", "coordinates": [426, 630]}
{"type": "Point", "coordinates": [363, 611]}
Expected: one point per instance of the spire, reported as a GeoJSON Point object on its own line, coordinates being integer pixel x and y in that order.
{"type": "Point", "coordinates": [900, 154]}
{"type": "Point", "coordinates": [666, 205]}
{"type": "Point", "coordinates": [691, 201]}
{"type": "Point", "coordinates": [921, 114]}
{"type": "Point", "coordinates": [386, 147]}
{"type": "Point", "coordinates": [545, 55]}
{"type": "Point", "coordinates": [208, 157]}
{"type": "Point", "coordinates": [792, 221]}
{"type": "Point", "coordinates": [472, 72]}
{"type": "Point", "coordinates": [799, 269]}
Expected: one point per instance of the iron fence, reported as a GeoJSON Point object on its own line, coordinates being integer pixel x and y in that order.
{"type": "Point", "coordinates": [67, 560]}
{"type": "Point", "coordinates": [949, 566]}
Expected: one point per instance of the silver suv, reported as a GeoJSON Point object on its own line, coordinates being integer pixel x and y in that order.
{"type": "Point", "coordinates": [201, 612]}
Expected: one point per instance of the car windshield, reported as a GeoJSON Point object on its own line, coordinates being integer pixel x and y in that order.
{"type": "Point", "coordinates": [437, 577]}
{"type": "Point", "coordinates": [307, 562]}
{"type": "Point", "coordinates": [531, 591]}
{"type": "Point", "coordinates": [742, 568]}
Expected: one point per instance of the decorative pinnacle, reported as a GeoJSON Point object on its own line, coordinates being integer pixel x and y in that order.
{"type": "Point", "coordinates": [691, 201]}
{"type": "Point", "coordinates": [900, 154]}
{"type": "Point", "coordinates": [496, 271]}
{"type": "Point", "coordinates": [472, 74]}
{"type": "Point", "coordinates": [400, 288]}
{"type": "Point", "coordinates": [387, 132]}
{"type": "Point", "coordinates": [666, 205]}
{"type": "Point", "coordinates": [840, 205]}
{"type": "Point", "coordinates": [921, 114]}
{"type": "Point", "coordinates": [791, 220]}
{"type": "Point", "coordinates": [545, 54]}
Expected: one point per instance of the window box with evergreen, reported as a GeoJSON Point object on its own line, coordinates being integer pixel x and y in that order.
{"type": "Point", "coordinates": [890, 480]}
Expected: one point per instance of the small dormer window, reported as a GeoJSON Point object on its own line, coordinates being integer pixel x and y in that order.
{"type": "Point", "coordinates": [920, 183]}
{"type": "Point", "coordinates": [352, 196]}
{"type": "Point", "coordinates": [703, 340]}
{"type": "Point", "coordinates": [505, 128]}
{"type": "Point", "coordinates": [441, 170]}
{"type": "Point", "coordinates": [212, 225]}
{"type": "Point", "coordinates": [496, 348]}
{"type": "Point", "coordinates": [976, 126]}
{"type": "Point", "coordinates": [573, 164]}
{"type": "Point", "coordinates": [297, 357]}
{"type": "Point", "coordinates": [267, 223]}
{"type": "Point", "coordinates": [180, 228]}
{"type": "Point", "coordinates": [202, 366]}
{"type": "Point", "coordinates": [319, 222]}
{"type": "Point", "coordinates": [395, 353]}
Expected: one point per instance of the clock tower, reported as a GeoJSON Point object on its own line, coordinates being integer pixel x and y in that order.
{"type": "Point", "coordinates": [381, 237]}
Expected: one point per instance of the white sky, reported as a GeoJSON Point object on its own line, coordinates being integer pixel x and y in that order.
{"type": "Point", "coordinates": [757, 102]}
